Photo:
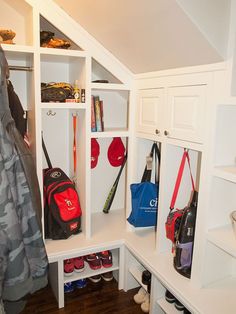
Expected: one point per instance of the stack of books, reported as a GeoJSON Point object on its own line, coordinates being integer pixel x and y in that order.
{"type": "Point", "coordinates": [97, 122]}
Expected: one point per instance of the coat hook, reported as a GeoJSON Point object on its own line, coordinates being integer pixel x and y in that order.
{"type": "Point", "coordinates": [51, 113]}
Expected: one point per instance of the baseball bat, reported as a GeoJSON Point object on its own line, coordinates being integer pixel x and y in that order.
{"type": "Point", "coordinates": [113, 189]}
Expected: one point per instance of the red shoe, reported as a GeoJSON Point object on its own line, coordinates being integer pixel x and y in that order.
{"type": "Point", "coordinates": [94, 261]}
{"type": "Point", "coordinates": [106, 258]}
{"type": "Point", "coordinates": [69, 267]}
{"type": "Point", "coordinates": [79, 264]}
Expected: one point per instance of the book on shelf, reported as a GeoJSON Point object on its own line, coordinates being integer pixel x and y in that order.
{"type": "Point", "coordinates": [93, 118]}
{"type": "Point", "coordinates": [97, 110]}
{"type": "Point", "coordinates": [101, 111]}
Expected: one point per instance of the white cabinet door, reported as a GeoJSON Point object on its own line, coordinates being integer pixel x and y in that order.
{"type": "Point", "coordinates": [185, 113]}
{"type": "Point", "coordinates": [150, 111]}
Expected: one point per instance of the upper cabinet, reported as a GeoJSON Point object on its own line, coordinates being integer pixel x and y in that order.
{"type": "Point", "coordinates": [173, 112]}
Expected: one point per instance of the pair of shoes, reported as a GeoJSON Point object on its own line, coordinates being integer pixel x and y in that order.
{"type": "Point", "coordinates": [79, 284]}
{"type": "Point", "coordinates": [143, 298]}
{"type": "Point", "coordinates": [178, 305]}
{"type": "Point", "coordinates": [97, 260]}
{"type": "Point", "coordinates": [106, 276]}
{"type": "Point", "coordinates": [73, 264]}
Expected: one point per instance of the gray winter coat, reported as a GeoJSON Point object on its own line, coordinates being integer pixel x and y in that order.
{"type": "Point", "coordinates": [23, 259]}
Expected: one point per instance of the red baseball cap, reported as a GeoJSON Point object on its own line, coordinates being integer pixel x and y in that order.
{"type": "Point", "coordinates": [95, 151]}
{"type": "Point", "coordinates": [116, 152]}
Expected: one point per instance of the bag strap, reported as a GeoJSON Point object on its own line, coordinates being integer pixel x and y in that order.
{"type": "Point", "coordinates": [148, 172]}
{"type": "Point", "coordinates": [179, 178]}
{"type": "Point", "coordinates": [46, 154]}
{"type": "Point", "coordinates": [74, 141]}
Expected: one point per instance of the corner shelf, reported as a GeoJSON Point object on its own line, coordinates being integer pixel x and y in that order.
{"type": "Point", "coordinates": [136, 272]}
{"type": "Point", "coordinates": [109, 86]}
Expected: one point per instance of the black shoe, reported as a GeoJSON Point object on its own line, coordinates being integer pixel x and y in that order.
{"type": "Point", "coordinates": [146, 277]}
{"type": "Point", "coordinates": [169, 297]}
{"type": "Point", "coordinates": [179, 306]}
{"type": "Point", "coordinates": [186, 311]}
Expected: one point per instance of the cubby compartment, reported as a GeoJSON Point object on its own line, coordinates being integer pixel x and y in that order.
{"type": "Point", "coordinates": [22, 76]}
{"type": "Point", "coordinates": [45, 25]}
{"type": "Point", "coordinates": [103, 177]}
{"type": "Point", "coordinates": [115, 109]}
{"type": "Point", "coordinates": [18, 17]}
{"type": "Point", "coordinates": [225, 148]}
{"type": "Point", "coordinates": [63, 68]}
{"type": "Point", "coordinates": [58, 134]}
{"type": "Point", "coordinates": [219, 270]}
{"type": "Point", "coordinates": [99, 73]}
{"type": "Point", "coordinates": [168, 174]}
{"type": "Point", "coordinates": [89, 272]}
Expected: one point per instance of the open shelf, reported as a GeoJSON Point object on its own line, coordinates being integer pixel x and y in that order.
{"type": "Point", "coordinates": [110, 133]}
{"type": "Point", "coordinates": [108, 86]}
{"type": "Point", "coordinates": [168, 308]}
{"type": "Point", "coordinates": [226, 173]}
{"type": "Point", "coordinates": [62, 105]}
{"type": "Point", "coordinates": [88, 272]}
{"type": "Point", "coordinates": [224, 238]}
{"type": "Point", "coordinates": [136, 272]}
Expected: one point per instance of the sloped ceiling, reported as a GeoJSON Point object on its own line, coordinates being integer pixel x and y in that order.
{"type": "Point", "coordinates": [152, 35]}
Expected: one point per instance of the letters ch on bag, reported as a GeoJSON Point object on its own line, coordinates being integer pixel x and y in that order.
{"type": "Point", "coordinates": [144, 195]}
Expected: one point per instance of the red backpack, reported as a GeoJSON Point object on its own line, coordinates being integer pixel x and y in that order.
{"type": "Point", "coordinates": [62, 211]}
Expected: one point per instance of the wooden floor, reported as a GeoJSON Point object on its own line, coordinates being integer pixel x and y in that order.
{"type": "Point", "coordinates": [101, 298]}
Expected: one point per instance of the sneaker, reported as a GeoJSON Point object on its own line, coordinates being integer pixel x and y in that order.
{"type": "Point", "coordinates": [186, 311]}
{"type": "Point", "coordinates": [106, 258]}
{"type": "Point", "coordinates": [145, 306]}
{"type": "Point", "coordinates": [179, 306]}
{"type": "Point", "coordinates": [107, 276]}
{"type": "Point", "coordinates": [94, 261]}
{"type": "Point", "coordinates": [140, 296]}
{"type": "Point", "coordinates": [79, 264]}
{"type": "Point", "coordinates": [95, 278]}
{"type": "Point", "coordinates": [169, 297]}
{"type": "Point", "coordinates": [68, 267]}
{"type": "Point", "coordinates": [81, 283]}
{"type": "Point", "coordinates": [68, 287]}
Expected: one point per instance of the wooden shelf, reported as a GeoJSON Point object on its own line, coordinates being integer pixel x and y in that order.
{"type": "Point", "coordinates": [225, 172]}
{"type": "Point", "coordinates": [224, 238]}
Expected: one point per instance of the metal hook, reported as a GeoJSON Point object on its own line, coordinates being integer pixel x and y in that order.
{"type": "Point", "coordinates": [51, 113]}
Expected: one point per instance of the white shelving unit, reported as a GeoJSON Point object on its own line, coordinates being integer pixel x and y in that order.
{"type": "Point", "coordinates": [187, 108]}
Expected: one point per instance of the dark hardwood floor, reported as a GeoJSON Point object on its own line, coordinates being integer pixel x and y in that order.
{"type": "Point", "coordinates": [101, 298]}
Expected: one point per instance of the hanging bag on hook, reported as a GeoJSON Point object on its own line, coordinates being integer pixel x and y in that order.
{"type": "Point", "coordinates": [61, 203]}
{"type": "Point", "coordinates": [144, 195]}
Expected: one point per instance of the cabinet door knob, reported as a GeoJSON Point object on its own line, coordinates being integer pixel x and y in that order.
{"type": "Point", "coordinates": [157, 131]}
{"type": "Point", "coordinates": [166, 133]}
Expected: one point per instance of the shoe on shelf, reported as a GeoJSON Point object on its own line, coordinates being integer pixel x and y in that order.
{"type": "Point", "coordinates": [81, 283]}
{"type": "Point", "coordinates": [146, 277]}
{"type": "Point", "coordinates": [95, 279]}
{"type": "Point", "coordinates": [69, 267]}
{"type": "Point", "coordinates": [186, 311]}
{"type": "Point", "coordinates": [179, 306]}
{"type": "Point", "coordinates": [94, 261]}
{"type": "Point", "coordinates": [170, 297]}
{"type": "Point", "coordinates": [145, 306]}
{"type": "Point", "coordinates": [68, 287]}
{"type": "Point", "coordinates": [140, 296]}
{"type": "Point", "coordinates": [79, 264]}
{"type": "Point", "coordinates": [106, 258]}
{"type": "Point", "coordinates": [107, 276]}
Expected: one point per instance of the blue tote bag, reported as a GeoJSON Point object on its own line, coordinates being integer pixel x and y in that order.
{"type": "Point", "coordinates": [144, 195]}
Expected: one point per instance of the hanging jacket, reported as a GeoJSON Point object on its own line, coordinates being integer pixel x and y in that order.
{"type": "Point", "coordinates": [22, 251]}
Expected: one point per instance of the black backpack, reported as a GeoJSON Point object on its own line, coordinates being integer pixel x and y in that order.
{"type": "Point", "coordinates": [185, 238]}
{"type": "Point", "coordinates": [62, 211]}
